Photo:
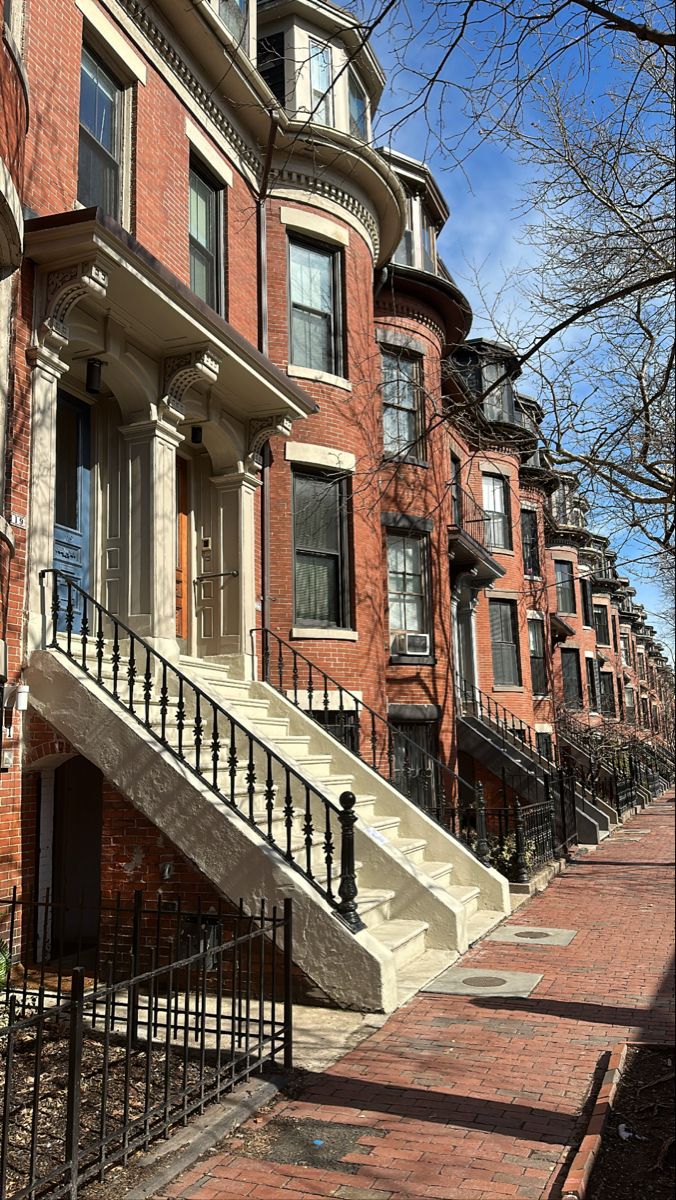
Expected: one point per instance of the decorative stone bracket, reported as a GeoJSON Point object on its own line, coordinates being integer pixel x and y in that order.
{"type": "Point", "coordinates": [62, 289]}
{"type": "Point", "coordinates": [183, 371]}
{"type": "Point", "coordinates": [261, 429]}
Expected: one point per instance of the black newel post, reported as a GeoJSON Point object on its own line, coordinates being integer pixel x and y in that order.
{"type": "Point", "coordinates": [549, 801]}
{"type": "Point", "coordinates": [482, 848]}
{"type": "Point", "coordinates": [520, 833]}
{"type": "Point", "coordinates": [348, 878]}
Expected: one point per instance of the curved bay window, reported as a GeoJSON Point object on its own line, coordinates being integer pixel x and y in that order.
{"type": "Point", "coordinates": [497, 509]}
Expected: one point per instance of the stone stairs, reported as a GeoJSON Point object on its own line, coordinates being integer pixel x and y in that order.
{"type": "Point", "coordinates": [422, 898]}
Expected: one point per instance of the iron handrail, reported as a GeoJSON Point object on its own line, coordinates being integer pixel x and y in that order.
{"type": "Point", "coordinates": [375, 721]}
{"type": "Point", "coordinates": [207, 733]}
{"type": "Point", "coordinates": [468, 514]}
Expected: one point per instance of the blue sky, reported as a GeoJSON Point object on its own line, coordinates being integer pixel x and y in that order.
{"type": "Point", "coordinates": [484, 237]}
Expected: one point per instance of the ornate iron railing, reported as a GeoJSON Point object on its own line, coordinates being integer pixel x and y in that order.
{"type": "Point", "coordinates": [468, 515]}
{"type": "Point", "coordinates": [312, 832]}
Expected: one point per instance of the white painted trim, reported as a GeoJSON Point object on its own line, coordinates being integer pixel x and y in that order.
{"type": "Point", "coordinates": [319, 456]}
{"type": "Point", "coordinates": [541, 727]}
{"type": "Point", "coordinates": [11, 197]}
{"type": "Point", "coordinates": [126, 59]}
{"type": "Point", "coordinates": [314, 376]}
{"type": "Point", "coordinates": [330, 635]}
{"type": "Point", "coordinates": [212, 157]}
{"type": "Point", "coordinates": [321, 227]}
{"type": "Point", "coordinates": [300, 196]}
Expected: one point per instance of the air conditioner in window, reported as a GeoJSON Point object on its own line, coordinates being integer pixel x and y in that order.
{"type": "Point", "coordinates": [412, 643]}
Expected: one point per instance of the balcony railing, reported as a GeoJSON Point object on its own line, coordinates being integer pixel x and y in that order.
{"type": "Point", "coordinates": [468, 515]}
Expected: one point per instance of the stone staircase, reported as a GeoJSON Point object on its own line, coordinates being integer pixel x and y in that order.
{"type": "Point", "coordinates": [422, 896]}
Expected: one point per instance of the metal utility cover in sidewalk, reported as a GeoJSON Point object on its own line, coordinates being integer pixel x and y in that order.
{"type": "Point", "coordinates": [532, 935]}
{"type": "Point", "coordinates": [465, 981]}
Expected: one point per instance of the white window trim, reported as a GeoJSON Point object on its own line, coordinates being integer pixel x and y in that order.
{"type": "Point", "coordinates": [127, 63]}
{"type": "Point", "coordinates": [320, 456]}
{"type": "Point", "coordinates": [300, 632]}
{"type": "Point", "coordinates": [315, 376]}
{"type": "Point", "coordinates": [314, 225]}
{"type": "Point", "coordinates": [213, 159]}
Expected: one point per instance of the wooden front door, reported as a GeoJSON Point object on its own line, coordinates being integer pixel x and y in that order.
{"type": "Point", "coordinates": [182, 550]}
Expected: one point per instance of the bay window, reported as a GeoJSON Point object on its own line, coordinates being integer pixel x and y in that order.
{"type": "Point", "coordinates": [402, 404]}
{"type": "Point", "coordinates": [497, 511]}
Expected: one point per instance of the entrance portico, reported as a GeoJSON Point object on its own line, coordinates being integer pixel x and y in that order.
{"type": "Point", "coordinates": [170, 553]}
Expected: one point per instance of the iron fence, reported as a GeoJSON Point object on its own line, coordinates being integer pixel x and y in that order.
{"type": "Point", "coordinates": [95, 1067]}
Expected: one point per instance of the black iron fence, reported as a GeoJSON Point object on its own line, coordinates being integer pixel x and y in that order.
{"type": "Point", "coordinates": [96, 1066]}
{"type": "Point", "coordinates": [300, 820]}
{"type": "Point", "coordinates": [517, 840]}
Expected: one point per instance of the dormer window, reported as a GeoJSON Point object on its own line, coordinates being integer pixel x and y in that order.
{"type": "Point", "coordinates": [233, 14]}
{"type": "Point", "coordinates": [271, 65]}
{"type": "Point", "coordinates": [499, 403]}
{"type": "Point", "coordinates": [428, 244]}
{"type": "Point", "coordinates": [358, 108]}
{"type": "Point", "coordinates": [404, 252]}
{"type": "Point", "coordinates": [320, 82]}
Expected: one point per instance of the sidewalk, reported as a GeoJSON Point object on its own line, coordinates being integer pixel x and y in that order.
{"type": "Point", "coordinates": [463, 1098]}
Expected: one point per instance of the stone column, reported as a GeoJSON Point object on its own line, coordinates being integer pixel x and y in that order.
{"type": "Point", "coordinates": [47, 369]}
{"type": "Point", "coordinates": [237, 551]}
{"type": "Point", "coordinates": [151, 505]}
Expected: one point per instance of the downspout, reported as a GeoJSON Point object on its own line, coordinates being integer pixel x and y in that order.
{"type": "Point", "coordinates": [262, 265]}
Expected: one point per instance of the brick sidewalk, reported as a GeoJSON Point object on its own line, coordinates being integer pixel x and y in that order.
{"type": "Point", "coordinates": [477, 1099]}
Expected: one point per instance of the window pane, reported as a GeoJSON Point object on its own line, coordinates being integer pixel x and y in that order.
{"type": "Point", "coordinates": [496, 507]}
{"type": "Point", "coordinates": [98, 103]}
{"type": "Point", "coordinates": [601, 624]}
{"type": "Point", "coordinates": [565, 587]}
{"type": "Point", "coordinates": [68, 459]}
{"type": "Point", "coordinates": [504, 644]}
{"type": "Point", "coordinates": [320, 569]}
{"type": "Point", "coordinates": [358, 126]}
{"type": "Point", "coordinates": [317, 589]}
{"type": "Point", "coordinates": [203, 235]}
{"type": "Point", "coordinates": [406, 585]}
{"type": "Point", "coordinates": [320, 77]}
{"type": "Point", "coordinates": [313, 308]}
{"type": "Point", "coordinates": [572, 681]}
{"type": "Point", "coordinates": [529, 541]}
{"type": "Point", "coordinates": [98, 151]}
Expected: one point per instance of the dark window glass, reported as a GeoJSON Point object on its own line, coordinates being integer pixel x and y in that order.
{"type": "Point", "coordinates": [456, 494]}
{"type": "Point", "coordinates": [320, 545]}
{"type": "Point", "coordinates": [233, 16]}
{"type": "Point", "coordinates": [529, 541]}
{"type": "Point", "coordinates": [625, 647]}
{"type": "Point", "coordinates": [497, 509]}
{"type": "Point", "coordinates": [505, 642]}
{"type": "Point", "coordinates": [565, 587]}
{"type": "Point", "coordinates": [641, 667]}
{"type": "Point", "coordinates": [536, 648]}
{"type": "Point", "coordinates": [98, 172]}
{"type": "Point", "coordinates": [601, 624]}
{"type": "Point", "coordinates": [404, 251]}
{"type": "Point", "coordinates": [588, 609]}
{"type": "Point", "coordinates": [593, 685]}
{"type": "Point", "coordinates": [402, 404]}
{"type": "Point", "coordinates": [607, 687]}
{"type": "Point", "coordinates": [630, 705]}
{"type": "Point", "coordinates": [572, 680]}
{"type": "Point", "coordinates": [69, 457]}
{"type": "Point", "coordinates": [358, 109]}
{"type": "Point", "coordinates": [645, 712]}
{"type": "Point", "coordinates": [406, 575]}
{"type": "Point", "coordinates": [616, 636]}
{"type": "Point", "coordinates": [315, 308]}
{"type": "Point", "coordinates": [428, 245]}
{"type": "Point", "coordinates": [499, 403]}
{"type": "Point", "coordinates": [271, 65]}
{"type": "Point", "coordinates": [543, 744]}
{"type": "Point", "coordinates": [203, 237]}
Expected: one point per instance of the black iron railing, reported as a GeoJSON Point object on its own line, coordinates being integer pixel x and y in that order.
{"type": "Point", "coordinates": [310, 831]}
{"type": "Point", "coordinates": [96, 1068]}
{"type": "Point", "coordinates": [468, 514]}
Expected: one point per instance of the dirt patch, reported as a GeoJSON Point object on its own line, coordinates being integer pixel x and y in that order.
{"type": "Point", "coordinates": [636, 1158]}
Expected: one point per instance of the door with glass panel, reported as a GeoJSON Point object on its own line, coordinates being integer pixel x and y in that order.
{"type": "Point", "coordinates": [71, 506]}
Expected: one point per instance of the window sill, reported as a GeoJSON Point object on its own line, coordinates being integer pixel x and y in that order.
{"type": "Point", "coordinates": [329, 634]}
{"type": "Point", "coordinates": [501, 551]}
{"type": "Point", "coordinates": [532, 578]}
{"type": "Point", "coordinates": [314, 376]}
{"type": "Point", "coordinates": [508, 687]}
{"type": "Point", "coordinates": [541, 695]}
{"type": "Point", "coordinates": [412, 660]}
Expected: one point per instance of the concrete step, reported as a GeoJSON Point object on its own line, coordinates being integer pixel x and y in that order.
{"type": "Point", "coordinates": [482, 922]}
{"type": "Point", "coordinates": [469, 896]}
{"type": "Point", "coordinates": [404, 939]}
{"type": "Point", "coordinates": [373, 905]}
{"type": "Point", "coordinates": [413, 848]}
{"type": "Point", "coordinates": [440, 872]}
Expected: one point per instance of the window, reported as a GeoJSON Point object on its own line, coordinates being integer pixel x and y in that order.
{"type": "Point", "coordinates": [358, 108]}
{"type": "Point", "coordinates": [271, 64]}
{"type": "Point", "coordinates": [456, 491]}
{"type": "Point", "coordinates": [320, 551]}
{"type": "Point", "coordinates": [99, 151]}
{"type": "Point", "coordinates": [601, 624]}
{"type": "Point", "coordinates": [203, 237]}
{"type": "Point", "coordinates": [496, 508]}
{"type": "Point", "coordinates": [529, 541]}
{"type": "Point", "coordinates": [536, 647]}
{"type": "Point", "coordinates": [320, 82]}
{"type": "Point", "coordinates": [499, 403]}
{"type": "Point", "coordinates": [407, 582]}
{"type": "Point", "coordinates": [316, 327]}
{"type": "Point", "coordinates": [402, 404]}
{"type": "Point", "coordinates": [565, 587]}
{"type": "Point", "coordinates": [543, 745]}
{"type": "Point", "coordinates": [415, 747]}
{"type": "Point", "coordinates": [233, 16]}
{"type": "Point", "coordinates": [616, 636]}
{"type": "Point", "coordinates": [630, 705]}
{"type": "Point", "coordinates": [572, 681]}
{"type": "Point", "coordinates": [504, 643]}
{"type": "Point", "coordinates": [625, 644]}
{"type": "Point", "coordinates": [620, 701]}
{"type": "Point", "coordinates": [607, 688]}
{"type": "Point", "coordinates": [588, 609]}
{"type": "Point", "coordinates": [404, 251]}
{"type": "Point", "coordinates": [642, 674]}
{"type": "Point", "coordinates": [428, 244]}
{"type": "Point", "coordinates": [593, 685]}
{"type": "Point", "coordinates": [645, 712]}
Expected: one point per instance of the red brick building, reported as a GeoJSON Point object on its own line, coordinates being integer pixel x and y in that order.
{"type": "Point", "coordinates": [240, 395]}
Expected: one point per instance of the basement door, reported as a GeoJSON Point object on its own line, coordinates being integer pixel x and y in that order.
{"type": "Point", "coordinates": [182, 553]}
{"type": "Point", "coordinates": [71, 501]}
{"type": "Point", "coordinates": [76, 856]}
